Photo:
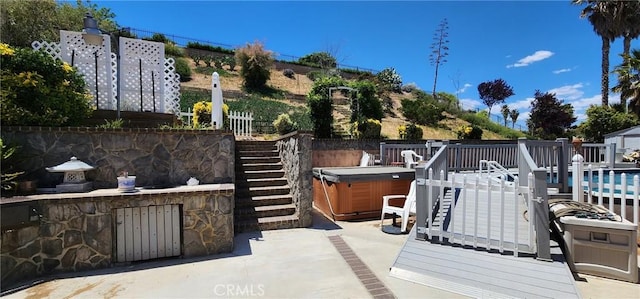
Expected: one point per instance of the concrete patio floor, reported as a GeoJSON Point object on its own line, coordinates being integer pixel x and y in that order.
{"type": "Point", "coordinates": [295, 263]}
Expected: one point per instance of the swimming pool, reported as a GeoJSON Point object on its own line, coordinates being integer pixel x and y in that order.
{"type": "Point", "coordinates": [617, 179]}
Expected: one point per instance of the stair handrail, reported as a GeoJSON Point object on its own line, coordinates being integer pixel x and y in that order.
{"type": "Point", "coordinates": [495, 167]}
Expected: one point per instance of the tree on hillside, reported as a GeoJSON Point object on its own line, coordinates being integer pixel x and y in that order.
{"type": "Point", "coordinates": [629, 82]}
{"type": "Point", "coordinates": [549, 118]}
{"type": "Point", "coordinates": [602, 120]}
{"type": "Point", "coordinates": [22, 22]}
{"type": "Point", "coordinates": [424, 110]}
{"type": "Point", "coordinates": [323, 60]}
{"type": "Point", "coordinates": [389, 80]}
{"type": "Point", "coordinates": [439, 49]}
{"type": "Point", "coordinates": [514, 113]}
{"type": "Point", "coordinates": [494, 92]}
{"type": "Point", "coordinates": [368, 105]}
{"type": "Point", "coordinates": [505, 113]}
{"type": "Point", "coordinates": [320, 105]}
{"type": "Point", "coordinates": [601, 15]}
{"type": "Point", "coordinates": [255, 62]}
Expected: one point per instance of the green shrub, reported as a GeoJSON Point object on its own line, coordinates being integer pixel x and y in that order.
{"type": "Point", "coordinates": [196, 45]}
{"type": "Point", "coordinates": [255, 63]}
{"type": "Point", "coordinates": [196, 59]}
{"type": "Point", "coordinates": [183, 69]}
{"type": "Point", "coordinates": [170, 49]}
{"type": "Point", "coordinates": [368, 103]}
{"type": "Point", "coordinates": [231, 62]}
{"type": "Point", "coordinates": [320, 105]}
{"type": "Point", "coordinates": [208, 60]}
{"type": "Point", "coordinates": [423, 111]}
{"type": "Point", "coordinates": [7, 174]}
{"type": "Point", "coordinates": [38, 90]}
{"type": "Point", "coordinates": [283, 124]}
{"type": "Point", "coordinates": [219, 61]}
{"type": "Point", "coordinates": [202, 114]}
{"type": "Point", "coordinates": [410, 132]}
{"type": "Point", "coordinates": [367, 129]}
{"type": "Point", "coordinates": [389, 79]}
{"type": "Point", "coordinates": [469, 132]}
{"type": "Point", "coordinates": [315, 75]}
{"type": "Point", "coordinates": [319, 59]}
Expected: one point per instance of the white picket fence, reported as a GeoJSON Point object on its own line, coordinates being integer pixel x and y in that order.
{"type": "Point", "coordinates": [240, 123]}
{"type": "Point", "coordinates": [487, 214]}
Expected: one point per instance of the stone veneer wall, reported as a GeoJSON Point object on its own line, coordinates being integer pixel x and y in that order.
{"type": "Point", "coordinates": [76, 230]}
{"type": "Point", "coordinates": [342, 152]}
{"type": "Point", "coordinates": [295, 153]}
{"type": "Point", "coordinates": [154, 156]}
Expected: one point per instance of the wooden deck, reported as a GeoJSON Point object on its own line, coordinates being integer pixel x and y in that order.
{"type": "Point", "coordinates": [482, 274]}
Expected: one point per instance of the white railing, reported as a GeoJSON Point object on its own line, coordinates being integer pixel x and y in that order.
{"type": "Point", "coordinates": [489, 169]}
{"type": "Point", "coordinates": [188, 114]}
{"type": "Point", "coordinates": [472, 218]}
{"type": "Point", "coordinates": [597, 190]}
{"type": "Point", "coordinates": [240, 123]}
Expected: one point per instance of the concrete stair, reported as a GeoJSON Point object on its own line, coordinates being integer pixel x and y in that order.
{"type": "Point", "coordinates": [263, 198]}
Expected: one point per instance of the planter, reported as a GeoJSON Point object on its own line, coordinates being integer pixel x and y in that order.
{"type": "Point", "coordinates": [126, 184]}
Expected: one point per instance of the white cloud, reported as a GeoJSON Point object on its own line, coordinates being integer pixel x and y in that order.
{"type": "Point", "coordinates": [464, 88]}
{"type": "Point", "coordinates": [470, 104]}
{"type": "Point", "coordinates": [568, 92]}
{"type": "Point", "coordinates": [537, 56]}
{"type": "Point", "coordinates": [560, 71]}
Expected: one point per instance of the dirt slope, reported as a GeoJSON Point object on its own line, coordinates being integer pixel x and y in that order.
{"type": "Point", "coordinates": [301, 85]}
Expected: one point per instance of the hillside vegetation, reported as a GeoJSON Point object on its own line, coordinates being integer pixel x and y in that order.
{"type": "Point", "coordinates": [291, 94]}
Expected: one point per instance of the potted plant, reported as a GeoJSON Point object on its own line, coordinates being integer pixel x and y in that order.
{"type": "Point", "coordinates": [126, 182]}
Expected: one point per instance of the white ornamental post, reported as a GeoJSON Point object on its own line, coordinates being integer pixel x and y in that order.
{"type": "Point", "coordinates": [576, 177]}
{"type": "Point", "coordinates": [216, 101]}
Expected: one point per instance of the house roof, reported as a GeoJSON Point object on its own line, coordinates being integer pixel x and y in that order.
{"type": "Point", "coordinates": [628, 131]}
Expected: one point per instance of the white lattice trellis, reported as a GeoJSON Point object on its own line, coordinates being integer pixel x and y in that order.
{"type": "Point", "coordinates": [171, 87]}
{"type": "Point", "coordinates": [160, 82]}
{"type": "Point", "coordinates": [142, 66]}
{"type": "Point", "coordinates": [94, 62]}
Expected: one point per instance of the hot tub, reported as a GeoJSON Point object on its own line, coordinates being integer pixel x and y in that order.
{"type": "Point", "coordinates": [348, 193]}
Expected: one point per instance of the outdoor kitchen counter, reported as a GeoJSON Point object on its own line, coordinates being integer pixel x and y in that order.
{"type": "Point", "coordinates": [66, 232]}
{"type": "Point", "coordinates": [99, 193]}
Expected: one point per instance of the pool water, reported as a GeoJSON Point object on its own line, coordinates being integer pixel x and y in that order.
{"type": "Point", "coordinates": [607, 179]}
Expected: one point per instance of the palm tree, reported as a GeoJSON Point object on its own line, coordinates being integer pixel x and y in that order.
{"type": "Point", "coordinates": [505, 113]}
{"type": "Point", "coordinates": [629, 20]}
{"type": "Point", "coordinates": [601, 16]}
{"type": "Point", "coordinates": [629, 80]}
{"type": "Point", "coordinates": [514, 116]}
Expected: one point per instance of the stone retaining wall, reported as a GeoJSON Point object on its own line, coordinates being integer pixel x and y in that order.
{"type": "Point", "coordinates": [154, 156]}
{"type": "Point", "coordinates": [295, 153]}
{"type": "Point", "coordinates": [76, 230]}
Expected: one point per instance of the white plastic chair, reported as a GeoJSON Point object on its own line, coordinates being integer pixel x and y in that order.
{"type": "Point", "coordinates": [408, 156]}
{"type": "Point", "coordinates": [409, 207]}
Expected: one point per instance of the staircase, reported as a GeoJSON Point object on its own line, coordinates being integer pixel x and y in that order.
{"type": "Point", "coordinates": [263, 199]}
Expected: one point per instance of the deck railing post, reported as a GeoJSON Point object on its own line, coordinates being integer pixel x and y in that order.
{"type": "Point", "coordinates": [578, 173]}
{"type": "Point", "coordinates": [563, 165]}
{"type": "Point", "coordinates": [541, 223]}
{"type": "Point", "coordinates": [611, 155]}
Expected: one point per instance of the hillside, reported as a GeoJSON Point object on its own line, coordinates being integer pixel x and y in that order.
{"type": "Point", "coordinates": [297, 89]}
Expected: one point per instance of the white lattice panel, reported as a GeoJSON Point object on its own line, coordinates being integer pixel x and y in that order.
{"type": "Point", "coordinates": [142, 75]}
{"type": "Point", "coordinates": [171, 87]}
{"type": "Point", "coordinates": [50, 48]}
{"type": "Point", "coordinates": [94, 62]}
{"type": "Point", "coordinates": [160, 90]}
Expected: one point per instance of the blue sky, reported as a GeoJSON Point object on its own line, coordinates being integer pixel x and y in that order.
{"type": "Point", "coordinates": [532, 45]}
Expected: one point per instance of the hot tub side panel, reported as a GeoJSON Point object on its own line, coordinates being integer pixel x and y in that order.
{"type": "Point", "coordinates": [356, 200]}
